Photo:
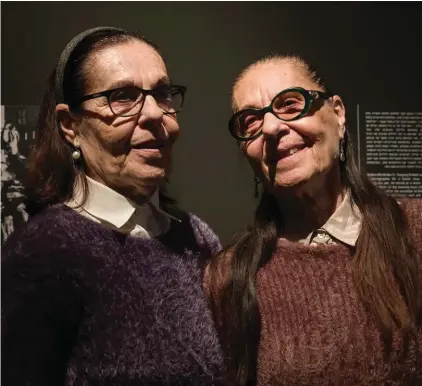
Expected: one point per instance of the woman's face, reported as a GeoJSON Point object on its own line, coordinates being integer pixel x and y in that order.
{"type": "Point", "coordinates": [295, 155]}
{"type": "Point", "coordinates": [129, 154]}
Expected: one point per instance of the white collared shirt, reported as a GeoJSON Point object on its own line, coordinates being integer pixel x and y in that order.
{"type": "Point", "coordinates": [110, 208]}
{"type": "Point", "coordinates": [344, 225]}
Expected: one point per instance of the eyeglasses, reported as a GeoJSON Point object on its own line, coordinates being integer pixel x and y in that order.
{"type": "Point", "coordinates": [288, 105]}
{"type": "Point", "coordinates": [128, 101]}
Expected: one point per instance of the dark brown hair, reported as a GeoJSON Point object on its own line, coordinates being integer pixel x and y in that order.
{"type": "Point", "coordinates": [383, 256]}
{"type": "Point", "coordinates": [52, 173]}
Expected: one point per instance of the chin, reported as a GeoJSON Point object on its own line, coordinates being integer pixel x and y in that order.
{"type": "Point", "coordinates": [147, 185]}
{"type": "Point", "coordinates": [153, 177]}
{"type": "Point", "coordinates": [145, 179]}
{"type": "Point", "coordinates": [289, 183]}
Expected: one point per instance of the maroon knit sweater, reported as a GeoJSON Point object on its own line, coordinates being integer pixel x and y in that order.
{"type": "Point", "coordinates": [314, 328]}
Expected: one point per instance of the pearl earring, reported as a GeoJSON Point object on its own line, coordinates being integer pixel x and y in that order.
{"type": "Point", "coordinates": [76, 154]}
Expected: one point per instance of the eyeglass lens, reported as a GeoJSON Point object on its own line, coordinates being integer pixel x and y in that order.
{"type": "Point", "coordinates": [129, 100]}
{"type": "Point", "coordinates": [286, 106]}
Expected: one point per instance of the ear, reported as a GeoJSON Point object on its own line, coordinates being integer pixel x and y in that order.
{"type": "Point", "coordinates": [340, 113]}
{"type": "Point", "coordinates": [67, 124]}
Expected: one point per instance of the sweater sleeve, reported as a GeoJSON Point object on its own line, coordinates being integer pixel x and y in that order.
{"type": "Point", "coordinates": [205, 236]}
{"type": "Point", "coordinates": [39, 312]}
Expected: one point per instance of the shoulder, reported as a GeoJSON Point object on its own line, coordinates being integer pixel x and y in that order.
{"type": "Point", "coordinates": [412, 209]}
{"type": "Point", "coordinates": [41, 260]}
{"type": "Point", "coordinates": [57, 216]}
{"type": "Point", "coordinates": [204, 235]}
{"type": "Point", "coordinates": [50, 231]}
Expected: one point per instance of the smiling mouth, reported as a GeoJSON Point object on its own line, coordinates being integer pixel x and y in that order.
{"type": "Point", "coordinates": [292, 151]}
{"type": "Point", "coordinates": [284, 154]}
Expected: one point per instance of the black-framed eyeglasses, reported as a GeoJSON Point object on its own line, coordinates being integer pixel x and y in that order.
{"type": "Point", "coordinates": [128, 101]}
{"type": "Point", "coordinates": [288, 105]}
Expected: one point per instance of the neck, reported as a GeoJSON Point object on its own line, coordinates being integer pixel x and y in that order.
{"type": "Point", "coordinates": [134, 193]}
{"type": "Point", "coordinates": [309, 207]}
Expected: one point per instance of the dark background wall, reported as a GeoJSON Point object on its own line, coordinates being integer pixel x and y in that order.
{"type": "Point", "coordinates": [370, 54]}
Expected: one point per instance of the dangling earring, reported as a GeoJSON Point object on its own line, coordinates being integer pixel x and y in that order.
{"type": "Point", "coordinates": [342, 151]}
{"type": "Point", "coordinates": [76, 154]}
{"type": "Point", "coordinates": [256, 181]}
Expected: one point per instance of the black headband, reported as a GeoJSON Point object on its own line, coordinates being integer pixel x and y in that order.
{"type": "Point", "coordinates": [64, 57]}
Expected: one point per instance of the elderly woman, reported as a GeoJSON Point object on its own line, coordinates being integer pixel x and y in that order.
{"type": "Point", "coordinates": [104, 284]}
{"type": "Point", "coordinates": [324, 288]}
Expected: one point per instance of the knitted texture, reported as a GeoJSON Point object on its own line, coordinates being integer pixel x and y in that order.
{"type": "Point", "coordinates": [85, 305]}
{"type": "Point", "coordinates": [314, 328]}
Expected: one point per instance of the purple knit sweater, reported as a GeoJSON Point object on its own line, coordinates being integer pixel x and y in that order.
{"type": "Point", "coordinates": [85, 305]}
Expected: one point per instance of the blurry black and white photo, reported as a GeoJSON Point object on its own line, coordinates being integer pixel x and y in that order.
{"type": "Point", "coordinates": [17, 136]}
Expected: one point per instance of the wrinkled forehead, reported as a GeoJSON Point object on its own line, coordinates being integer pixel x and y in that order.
{"type": "Point", "coordinates": [129, 60]}
{"type": "Point", "coordinates": [130, 50]}
{"type": "Point", "coordinates": [260, 84]}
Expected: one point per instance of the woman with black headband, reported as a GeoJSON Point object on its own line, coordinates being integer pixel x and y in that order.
{"type": "Point", "coordinates": [103, 285]}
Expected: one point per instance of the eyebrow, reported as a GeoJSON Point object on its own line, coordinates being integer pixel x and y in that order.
{"type": "Point", "coordinates": [120, 83]}
{"type": "Point", "coordinates": [246, 107]}
{"type": "Point", "coordinates": [164, 80]}
{"type": "Point", "coordinates": [255, 107]}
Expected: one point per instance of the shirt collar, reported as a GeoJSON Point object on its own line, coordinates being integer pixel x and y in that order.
{"type": "Point", "coordinates": [345, 223]}
{"type": "Point", "coordinates": [106, 204]}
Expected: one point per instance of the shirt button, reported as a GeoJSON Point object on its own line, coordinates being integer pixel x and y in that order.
{"type": "Point", "coordinates": [321, 235]}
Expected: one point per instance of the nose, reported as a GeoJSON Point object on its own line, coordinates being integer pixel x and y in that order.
{"type": "Point", "coordinates": [151, 118]}
{"type": "Point", "coordinates": [272, 127]}
{"type": "Point", "coordinates": [150, 112]}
